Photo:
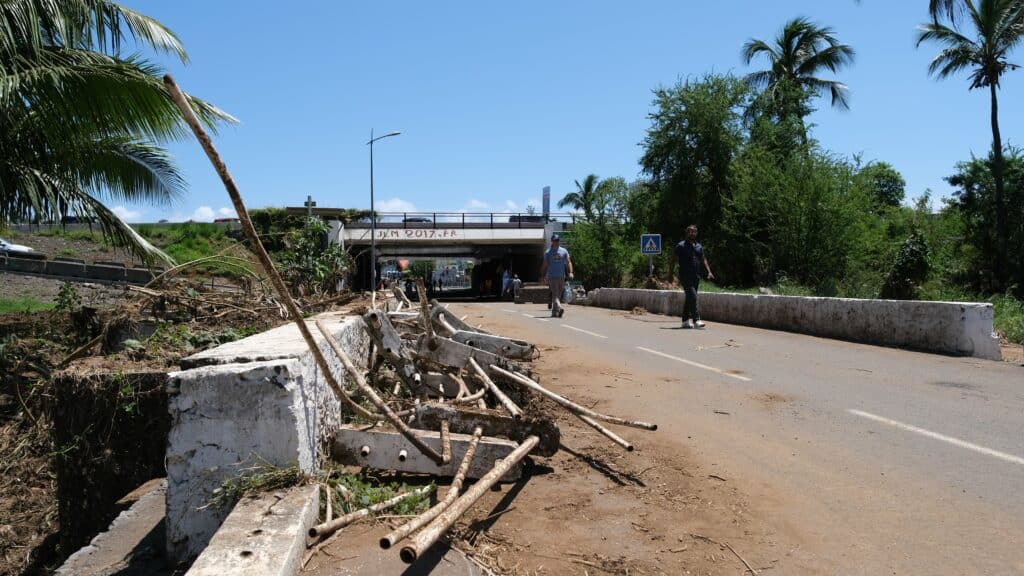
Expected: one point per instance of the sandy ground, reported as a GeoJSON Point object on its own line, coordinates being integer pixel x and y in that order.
{"type": "Point", "coordinates": [594, 508]}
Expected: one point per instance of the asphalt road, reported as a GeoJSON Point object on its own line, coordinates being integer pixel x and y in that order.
{"type": "Point", "coordinates": [882, 460]}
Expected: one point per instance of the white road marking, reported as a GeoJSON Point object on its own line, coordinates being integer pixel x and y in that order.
{"type": "Point", "coordinates": [695, 364]}
{"type": "Point", "coordinates": [527, 315]}
{"type": "Point", "coordinates": [509, 311]}
{"type": "Point", "coordinates": [935, 435]}
{"type": "Point", "coordinates": [595, 334]}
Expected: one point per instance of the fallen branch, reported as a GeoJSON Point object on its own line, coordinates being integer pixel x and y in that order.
{"type": "Point", "coordinates": [254, 240]}
{"type": "Point", "coordinates": [569, 404]}
{"type": "Point", "coordinates": [731, 549]}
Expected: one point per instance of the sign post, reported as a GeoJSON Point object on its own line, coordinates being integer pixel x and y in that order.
{"type": "Point", "coordinates": [650, 245]}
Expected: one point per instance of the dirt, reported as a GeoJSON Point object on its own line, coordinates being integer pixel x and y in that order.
{"type": "Point", "coordinates": [65, 247]}
{"type": "Point", "coordinates": [1012, 353]}
{"type": "Point", "coordinates": [594, 508]}
{"type": "Point", "coordinates": [45, 290]}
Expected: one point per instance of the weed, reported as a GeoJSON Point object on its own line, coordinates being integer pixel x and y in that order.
{"type": "Point", "coordinates": [364, 491]}
{"type": "Point", "coordinates": [67, 298]}
{"type": "Point", "coordinates": [260, 478]}
{"type": "Point", "coordinates": [1008, 318]}
{"type": "Point", "coordinates": [25, 304]}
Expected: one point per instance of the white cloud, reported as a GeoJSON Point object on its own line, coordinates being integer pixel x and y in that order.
{"type": "Point", "coordinates": [395, 205]}
{"type": "Point", "coordinates": [511, 205]}
{"type": "Point", "coordinates": [226, 212]}
{"type": "Point", "coordinates": [203, 214]}
{"type": "Point", "coordinates": [126, 214]}
{"type": "Point", "coordinates": [477, 205]}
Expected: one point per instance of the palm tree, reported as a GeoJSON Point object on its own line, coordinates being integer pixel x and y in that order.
{"type": "Point", "coordinates": [584, 196]}
{"type": "Point", "coordinates": [998, 28]}
{"type": "Point", "coordinates": [79, 122]}
{"type": "Point", "coordinates": [800, 52]}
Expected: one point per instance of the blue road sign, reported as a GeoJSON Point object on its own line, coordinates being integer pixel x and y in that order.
{"type": "Point", "coordinates": [650, 244]}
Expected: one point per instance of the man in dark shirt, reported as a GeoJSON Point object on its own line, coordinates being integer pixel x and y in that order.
{"type": "Point", "coordinates": [690, 254]}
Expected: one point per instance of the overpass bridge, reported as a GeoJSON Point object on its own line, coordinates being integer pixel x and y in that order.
{"type": "Point", "coordinates": [496, 241]}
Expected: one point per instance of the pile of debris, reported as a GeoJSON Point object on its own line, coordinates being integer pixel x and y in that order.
{"type": "Point", "coordinates": [461, 402]}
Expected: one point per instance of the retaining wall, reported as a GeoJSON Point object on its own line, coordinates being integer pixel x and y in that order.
{"type": "Point", "coordinates": [75, 269]}
{"type": "Point", "coordinates": [959, 328]}
{"type": "Point", "coordinates": [260, 400]}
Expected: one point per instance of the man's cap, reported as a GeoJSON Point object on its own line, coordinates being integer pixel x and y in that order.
{"type": "Point", "coordinates": [555, 237]}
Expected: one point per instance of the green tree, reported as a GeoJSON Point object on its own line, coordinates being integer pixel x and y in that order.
{"type": "Point", "coordinates": [792, 218]}
{"type": "Point", "coordinates": [583, 197]}
{"type": "Point", "coordinates": [997, 27]}
{"type": "Point", "coordinates": [80, 122]}
{"type": "Point", "coordinates": [885, 182]}
{"type": "Point", "coordinates": [695, 134]}
{"type": "Point", "coordinates": [974, 199]}
{"type": "Point", "coordinates": [796, 57]}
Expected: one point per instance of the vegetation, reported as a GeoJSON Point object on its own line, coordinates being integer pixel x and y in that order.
{"type": "Point", "coordinates": [777, 212]}
{"type": "Point", "coordinates": [998, 27]}
{"type": "Point", "coordinates": [82, 122]}
{"type": "Point", "coordinates": [25, 305]}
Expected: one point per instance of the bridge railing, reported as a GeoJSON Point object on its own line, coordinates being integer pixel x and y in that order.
{"type": "Point", "coordinates": [463, 220]}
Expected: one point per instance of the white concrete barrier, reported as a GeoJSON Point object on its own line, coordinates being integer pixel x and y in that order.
{"type": "Point", "coordinates": [260, 400]}
{"type": "Point", "coordinates": [959, 328]}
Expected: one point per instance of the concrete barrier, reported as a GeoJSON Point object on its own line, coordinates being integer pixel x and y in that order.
{"type": "Point", "coordinates": [25, 265]}
{"type": "Point", "coordinates": [260, 400]}
{"type": "Point", "coordinates": [108, 273]}
{"type": "Point", "coordinates": [958, 328]}
{"type": "Point", "coordinates": [73, 268]}
{"type": "Point", "coordinates": [138, 275]}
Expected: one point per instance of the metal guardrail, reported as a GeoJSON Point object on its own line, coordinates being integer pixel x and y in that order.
{"type": "Point", "coordinates": [463, 220]}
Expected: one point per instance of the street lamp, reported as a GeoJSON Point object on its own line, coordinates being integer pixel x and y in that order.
{"type": "Point", "coordinates": [373, 213]}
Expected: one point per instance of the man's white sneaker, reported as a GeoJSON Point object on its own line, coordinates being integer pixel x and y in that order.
{"type": "Point", "coordinates": [687, 324]}
{"type": "Point", "coordinates": [699, 324]}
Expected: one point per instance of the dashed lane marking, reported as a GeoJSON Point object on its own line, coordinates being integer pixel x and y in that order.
{"type": "Point", "coordinates": [695, 364]}
{"type": "Point", "coordinates": [594, 334]}
{"type": "Point", "coordinates": [941, 437]}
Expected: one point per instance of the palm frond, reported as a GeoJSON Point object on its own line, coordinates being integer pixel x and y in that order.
{"type": "Point", "coordinates": [94, 93]}
{"type": "Point", "coordinates": [753, 48]}
{"type": "Point", "coordinates": [30, 26]}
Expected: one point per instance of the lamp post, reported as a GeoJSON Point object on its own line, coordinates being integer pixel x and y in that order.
{"type": "Point", "coordinates": [373, 213]}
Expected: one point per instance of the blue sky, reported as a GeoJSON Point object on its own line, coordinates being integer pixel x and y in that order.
{"type": "Point", "coordinates": [496, 100]}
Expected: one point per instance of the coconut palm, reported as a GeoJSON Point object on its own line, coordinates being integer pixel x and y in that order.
{"type": "Point", "coordinates": [998, 26]}
{"type": "Point", "coordinates": [584, 196]}
{"type": "Point", "coordinates": [800, 52]}
{"type": "Point", "coordinates": [80, 123]}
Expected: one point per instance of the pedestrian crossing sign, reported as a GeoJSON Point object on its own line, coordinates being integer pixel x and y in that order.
{"type": "Point", "coordinates": [650, 244]}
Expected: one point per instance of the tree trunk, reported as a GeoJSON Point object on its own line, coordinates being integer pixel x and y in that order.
{"type": "Point", "coordinates": [997, 175]}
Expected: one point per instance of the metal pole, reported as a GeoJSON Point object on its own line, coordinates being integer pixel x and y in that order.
{"type": "Point", "coordinates": [373, 225]}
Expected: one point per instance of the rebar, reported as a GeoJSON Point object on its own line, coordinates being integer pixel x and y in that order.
{"type": "Point", "coordinates": [569, 404]}
{"type": "Point", "coordinates": [505, 400]}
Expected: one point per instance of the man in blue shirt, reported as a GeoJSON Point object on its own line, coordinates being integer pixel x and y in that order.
{"type": "Point", "coordinates": [690, 254]}
{"type": "Point", "coordinates": [556, 266]}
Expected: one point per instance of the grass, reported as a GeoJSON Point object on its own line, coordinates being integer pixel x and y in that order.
{"type": "Point", "coordinates": [360, 489]}
{"type": "Point", "coordinates": [88, 235]}
{"type": "Point", "coordinates": [25, 305]}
